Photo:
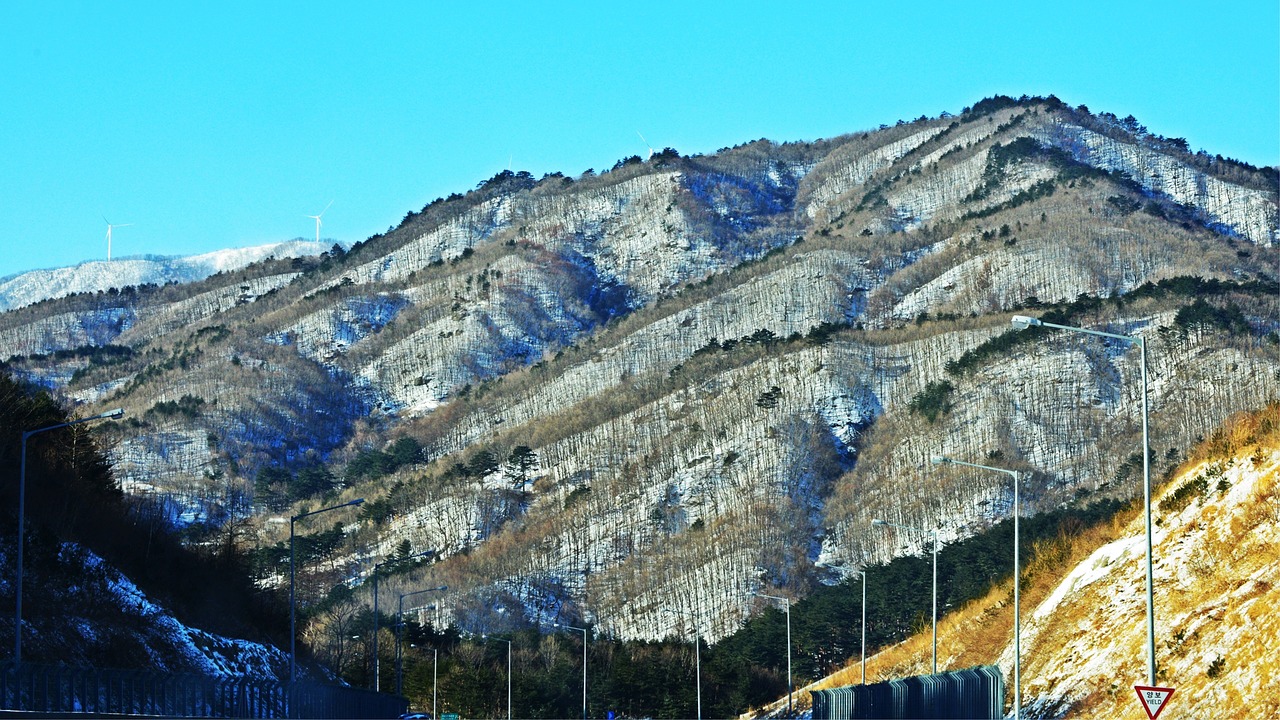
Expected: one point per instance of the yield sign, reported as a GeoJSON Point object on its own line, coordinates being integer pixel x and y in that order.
{"type": "Point", "coordinates": [1153, 699]}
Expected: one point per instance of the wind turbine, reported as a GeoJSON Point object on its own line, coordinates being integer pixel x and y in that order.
{"type": "Point", "coordinates": [109, 227]}
{"type": "Point", "coordinates": [646, 144]}
{"type": "Point", "coordinates": [317, 219]}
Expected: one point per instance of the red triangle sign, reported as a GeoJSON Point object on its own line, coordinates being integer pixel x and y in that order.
{"type": "Point", "coordinates": [1153, 699]}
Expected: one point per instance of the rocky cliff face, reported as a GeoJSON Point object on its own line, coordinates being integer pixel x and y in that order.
{"type": "Point", "coordinates": [683, 380]}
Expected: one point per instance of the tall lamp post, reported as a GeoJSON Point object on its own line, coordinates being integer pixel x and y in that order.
{"type": "Point", "coordinates": [435, 666]}
{"type": "Point", "coordinates": [934, 533]}
{"type": "Point", "coordinates": [1017, 576]}
{"type": "Point", "coordinates": [787, 605]}
{"type": "Point", "coordinates": [377, 619]}
{"type": "Point", "coordinates": [508, 642]}
{"type": "Point", "coordinates": [864, 626]}
{"type": "Point", "coordinates": [584, 664]}
{"type": "Point", "coordinates": [400, 631]}
{"type": "Point", "coordinates": [1022, 322]}
{"type": "Point", "coordinates": [697, 659]}
{"type": "Point", "coordinates": [22, 512]}
{"type": "Point", "coordinates": [293, 626]}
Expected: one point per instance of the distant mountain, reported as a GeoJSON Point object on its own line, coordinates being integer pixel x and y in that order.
{"type": "Point", "coordinates": [97, 275]}
{"type": "Point", "coordinates": [669, 384]}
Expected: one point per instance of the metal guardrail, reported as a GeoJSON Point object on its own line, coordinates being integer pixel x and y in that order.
{"type": "Point", "coordinates": [55, 689]}
{"type": "Point", "coordinates": [976, 692]}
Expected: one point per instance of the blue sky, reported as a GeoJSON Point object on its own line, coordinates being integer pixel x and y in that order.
{"type": "Point", "coordinates": [224, 124]}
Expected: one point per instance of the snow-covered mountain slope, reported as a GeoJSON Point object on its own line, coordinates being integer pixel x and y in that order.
{"type": "Point", "coordinates": [688, 377]}
{"type": "Point", "coordinates": [103, 619]}
{"type": "Point", "coordinates": [98, 275]}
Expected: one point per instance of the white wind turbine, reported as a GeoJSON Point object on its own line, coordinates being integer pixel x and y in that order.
{"type": "Point", "coordinates": [109, 227]}
{"type": "Point", "coordinates": [646, 144]}
{"type": "Point", "coordinates": [317, 219]}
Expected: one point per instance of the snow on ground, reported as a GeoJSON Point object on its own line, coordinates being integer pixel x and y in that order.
{"type": "Point", "coordinates": [201, 652]}
{"type": "Point", "coordinates": [1216, 574]}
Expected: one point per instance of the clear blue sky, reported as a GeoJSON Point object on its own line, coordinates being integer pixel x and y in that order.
{"type": "Point", "coordinates": [224, 124]}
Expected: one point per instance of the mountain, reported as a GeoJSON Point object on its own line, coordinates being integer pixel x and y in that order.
{"type": "Point", "coordinates": [664, 386]}
{"type": "Point", "coordinates": [95, 276]}
{"type": "Point", "coordinates": [1083, 626]}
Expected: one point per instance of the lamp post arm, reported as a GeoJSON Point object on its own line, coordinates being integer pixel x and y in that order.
{"type": "Point", "coordinates": [953, 461]}
{"type": "Point", "coordinates": [109, 415]}
{"type": "Point", "coordinates": [1023, 322]}
{"type": "Point", "coordinates": [1087, 331]}
{"type": "Point", "coordinates": [904, 527]}
{"type": "Point", "coordinates": [350, 503]}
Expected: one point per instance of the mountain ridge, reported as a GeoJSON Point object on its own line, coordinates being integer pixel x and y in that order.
{"type": "Point", "coordinates": [724, 366]}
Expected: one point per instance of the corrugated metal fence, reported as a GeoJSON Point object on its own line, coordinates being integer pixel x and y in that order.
{"type": "Point", "coordinates": [54, 689]}
{"type": "Point", "coordinates": [976, 692]}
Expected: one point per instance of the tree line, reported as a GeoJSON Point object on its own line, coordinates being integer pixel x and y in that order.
{"type": "Point", "coordinates": [656, 678]}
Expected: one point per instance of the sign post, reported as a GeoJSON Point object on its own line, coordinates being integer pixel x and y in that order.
{"type": "Point", "coordinates": [1153, 699]}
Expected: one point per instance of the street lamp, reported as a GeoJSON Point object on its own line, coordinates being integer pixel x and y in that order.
{"type": "Point", "coordinates": [377, 619]}
{"type": "Point", "coordinates": [1022, 322]}
{"type": "Point", "coordinates": [435, 665]}
{"type": "Point", "coordinates": [22, 512]}
{"type": "Point", "coordinates": [584, 663]}
{"type": "Point", "coordinates": [1017, 576]}
{"type": "Point", "coordinates": [508, 642]}
{"type": "Point", "coordinates": [934, 533]}
{"type": "Point", "coordinates": [697, 659]}
{"type": "Point", "coordinates": [400, 632]}
{"type": "Point", "coordinates": [787, 603]}
{"type": "Point", "coordinates": [864, 626]}
{"type": "Point", "coordinates": [293, 632]}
